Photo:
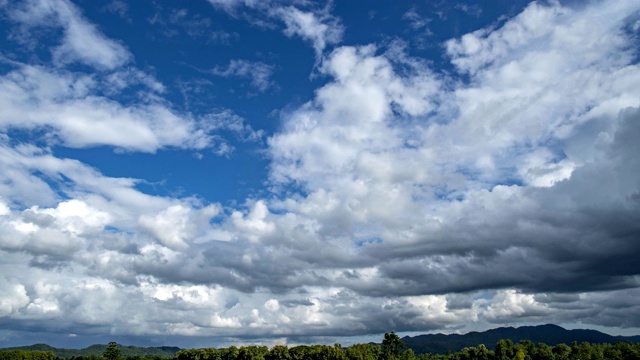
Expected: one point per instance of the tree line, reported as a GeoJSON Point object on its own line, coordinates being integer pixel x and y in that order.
{"type": "Point", "coordinates": [392, 348]}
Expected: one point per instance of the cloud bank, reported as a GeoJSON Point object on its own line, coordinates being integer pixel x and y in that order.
{"type": "Point", "coordinates": [401, 198]}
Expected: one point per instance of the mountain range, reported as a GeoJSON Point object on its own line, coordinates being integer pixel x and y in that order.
{"type": "Point", "coordinates": [98, 349]}
{"type": "Point", "coordinates": [420, 344]}
{"type": "Point", "coordinates": [548, 334]}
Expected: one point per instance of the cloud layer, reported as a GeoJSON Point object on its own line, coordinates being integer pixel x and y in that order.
{"type": "Point", "coordinates": [401, 197]}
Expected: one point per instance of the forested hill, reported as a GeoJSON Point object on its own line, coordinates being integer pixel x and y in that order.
{"type": "Point", "coordinates": [421, 344]}
{"type": "Point", "coordinates": [548, 334]}
{"type": "Point", "coordinates": [162, 351]}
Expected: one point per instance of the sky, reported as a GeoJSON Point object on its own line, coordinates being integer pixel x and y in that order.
{"type": "Point", "coordinates": [218, 172]}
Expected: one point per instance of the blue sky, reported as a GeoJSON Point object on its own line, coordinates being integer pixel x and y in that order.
{"type": "Point", "coordinates": [219, 172]}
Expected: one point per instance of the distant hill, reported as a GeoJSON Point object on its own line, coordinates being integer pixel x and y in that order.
{"type": "Point", "coordinates": [548, 334]}
{"type": "Point", "coordinates": [421, 344]}
{"type": "Point", "coordinates": [162, 351]}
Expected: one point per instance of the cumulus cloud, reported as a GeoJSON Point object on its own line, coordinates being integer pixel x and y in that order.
{"type": "Point", "coordinates": [176, 224]}
{"type": "Point", "coordinates": [469, 190]}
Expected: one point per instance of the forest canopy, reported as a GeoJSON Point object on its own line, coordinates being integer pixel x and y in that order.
{"type": "Point", "coordinates": [392, 348]}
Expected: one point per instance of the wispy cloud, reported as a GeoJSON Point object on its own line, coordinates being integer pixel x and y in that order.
{"type": "Point", "coordinates": [81, 41]}
{"type": "Point", "coordinates": [72, 105]}
{"type": "Point", "coordinates": [417, 21]}
{"type": "Point", "coordinates": [179, 21]}
{"type": "Point", "coordinates": [320, 28]}
{"type": "Point", "coordinates": [315, 25]}
{"type": "Point", "coordinates": [67, 103]}
{"type": "Point", "coordinates": [257, 72]}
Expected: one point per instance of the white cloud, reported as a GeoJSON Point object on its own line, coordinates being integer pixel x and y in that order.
{"type": "Point", "coordinates": [230, 5]}
{"type": "Point", "coordinates": [509, 304]}
{"type": "Point", "coordinates": [534, 82]}
{"type": "Point", "coordinates": [350, 119]}
{"type": "Point", "coordinates": [81, 41]}
{"type": "Point", "coordinates": [80, 119]}
{"type": "Point", "coordinates": [14, 297]}
{"type": "Point", "coordinates": [403, 179]}
{"type": "Point", "coordinates": [67, 104]}
{"type": "Point", "coordinates": [171, 226]}
{"type": "Point", "coordinates": [66, 227]}
{"type": "Point", "coordinates": [79, 109]}
{"type": "Point", "coordinates": [254, 224]}
{"type": "Point", "coordinates": [318, 28]}
{"type": "Point", "coordinates": [74, 216]}
{"type": "Point", "coordinates": [4, 209]}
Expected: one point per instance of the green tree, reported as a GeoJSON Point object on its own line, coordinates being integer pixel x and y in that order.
{"type": "Point", "coordinates": [299, 352]}
{"type": "Point", "coordinates": [112, 352]}
{"type": "Point", "coordinates": [482, 353]}
{"type": "Point", "coordinates": [363, 352]}
{"type": "Point", "coordinates": [561, 351]}
{"type": "Point", "coordinates": [278, 352]}
{"type": "Point", "coordinates": [543, 352]}
{"type": "Point", "coordinates": [252, 352]}
{"type": "Point", "coordinates": [408, 355]}
{"type": "Point", "coordinates": [391, 346]}
{"type": "Point", "coordinates": [26, 355]}
{"type": "Point", "coordinates": [230, 353]}
{"type": "Point", "coordinates": [528, 347]}
{"type": "Point", "coordinates": [505, 350]}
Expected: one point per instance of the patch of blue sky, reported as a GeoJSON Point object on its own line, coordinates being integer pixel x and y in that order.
{"type": "Point", "coordinates": [424, 26]}
{"type": "Point", "coordinates": [442, 192]}
{"type": "Point", "coordinates": [18, 45]}
{"type": "Point", "coordinates": [180, 173]}
{"type": "Point", "coordinates": [484, 295]}
{"type": "Point", "coordinates": [199, 55]}
{"type": "Point", "coordinates": [502, 174]}
{"type": "Point", "coordinates": [368, 241]}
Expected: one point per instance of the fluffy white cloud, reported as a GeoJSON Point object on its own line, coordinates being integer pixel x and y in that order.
{"type": "Point", "coordinates": [14, 297]}
{"type": "Point", "coordinates": [169, 226]}
{"type": "Point", "coordinates": [177, 224]}
{"type": "Point", "coordinates": [535, 82]}
{"type": "Point", "coordinates": [351, 123]}
{"type": "Point", "coordinates": [453, 190]}
{"type": "Point", "coordinates": [254, 224]}
{"type": "Point", "coordinates": [510, 304]}
{"type": "Point", "coordinates": [74, 216]}
{"type": "Point", "coordinates": [67, 103]}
